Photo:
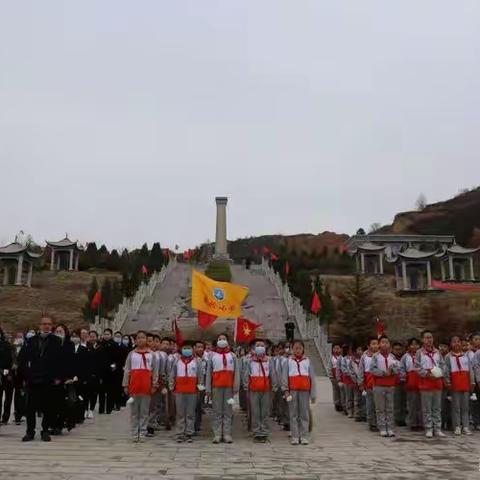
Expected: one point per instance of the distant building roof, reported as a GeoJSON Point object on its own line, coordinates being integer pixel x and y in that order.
{"type": "Point", "coordinates": [457, 250]}
{"type": "Point", "coordinates": [368, 247]}
{"type": "Point", "coordinates": [392, 238]}
{"type": "Point", "coordinates": [15, 250]}
{"type": "Point", "coordinates": [412, 253]}
{"type": "Point", "coordinates": [65, 243]}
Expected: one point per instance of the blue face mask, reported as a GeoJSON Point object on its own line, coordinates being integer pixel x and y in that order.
{"type": "Point", "coordinates": [260, 351]}
{"type": "Point", "coordinates": [187, 352]}
{"type": "Point", "coordinates": [125, 342]}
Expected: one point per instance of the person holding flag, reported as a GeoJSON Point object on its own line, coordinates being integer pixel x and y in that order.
{"type": "Point", "coordinates": [259, 379]}
{"type": "Point", "coordinates": [222, 383]}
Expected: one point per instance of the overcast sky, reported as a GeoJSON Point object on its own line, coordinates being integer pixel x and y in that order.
{"type": "Point", "coordinates": [120, 121]}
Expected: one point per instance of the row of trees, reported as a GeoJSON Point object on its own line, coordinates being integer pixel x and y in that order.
{"type": "Point", "coordinates": [135, 266]}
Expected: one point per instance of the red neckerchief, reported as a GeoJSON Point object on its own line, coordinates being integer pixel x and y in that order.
{"type": "Point", "coordinates": [223, 352]}
{"type": "Point", "coordinates": [385, 356]}
{"type": "Point", "coordinates": [260, 361]}
{"type": "Point", "coordinates": [457, 357]}
{"type": "Point", "coordinates": [186, 361]}
{"type": "Point", "coordinates": [298, 362]}
{"type": "Point", "coordinates": [431, 355]}
{"type": "Point", "coordinates": [143, 353]}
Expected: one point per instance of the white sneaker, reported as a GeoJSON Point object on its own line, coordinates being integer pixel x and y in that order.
{"type": "Point", "coordinates": [467, 431]}
{"type": "Point", "coordinates": [304, 441]}
{"type": "Point", "coordinates": [90, 414]}
{"type": "Point", "coordinates": [391, 433]}
{"type": "Point", "coordinates": [294, 441]}
{"type": "Point", "coordinates": [429, 434]}
{"type": "Point", "coordinates": [458, 431]}
{"type": "Point", "coordinates": [383, 433]}
{"type": "Point", "coordinates": [439, 433]}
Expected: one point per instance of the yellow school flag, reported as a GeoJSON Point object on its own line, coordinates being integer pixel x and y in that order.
{"type": "Point", "coordinates": [217, 298]}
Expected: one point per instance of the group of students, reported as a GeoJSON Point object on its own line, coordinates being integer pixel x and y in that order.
{"type": "Point", "coordinates": [199, 374]}
{"type": "Point", "coordinates": [422, 387]}
{"type": "Point", "coordinates": [60, 376]}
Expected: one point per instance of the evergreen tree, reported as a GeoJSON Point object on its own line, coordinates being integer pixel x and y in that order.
{"type": "Point", "coordinates": [103, 257]}
{"type": "Point", "coordinates": [89, 258]}
{"type": "Point", "coordinates": [117, 294]}
{"type": "Point", "coordinates": [114, 262]}
{"type": "Point", "coordinates": [156, 259]}
{"type": "Point", "coordinates": [358, 310]}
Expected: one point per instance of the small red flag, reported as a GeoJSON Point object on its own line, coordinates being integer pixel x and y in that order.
{"type": "Point", "coordinates": [316, 304]}
{"type": "Point", "coordinates": [245, 330]}
{"type": "Point", "coordinates": [380, 327]}
{"type": "Point", "coordinates": [273, 257]}
{"type": "Point", "coordinates": [287, 268]}
{"type": "Point", "coordinates": [144, 270]}
{"type": "Point", "coordinates": [178, 334]}
{"type": "Point", "coordinates": [205, 319]}
{"type": "Point", "coordinates": [96, 300]}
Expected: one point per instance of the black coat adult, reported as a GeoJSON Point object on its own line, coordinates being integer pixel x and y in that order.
{"type": "Point", "coordinates": [39, 361]}
{"type": "Point", "coordinates": [6, 354]}
{"type": "Point", "coordinates": [67, 360]}
{"type": "Point", "coordinates": [108, 357]}
{"type": "Point", "coordinates": [82, 363]}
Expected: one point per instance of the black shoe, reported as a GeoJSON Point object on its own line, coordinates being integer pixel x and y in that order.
{"type": "Point", "coordinates": [286, 428]}
{"type": "Point", "coordinates": [46, 437]}
{"type": "Point", "coordinates": [28, 437]}
{"type": "Point", "coordinates": [150, 431]}
{"type": "Point", "coordinates": [373, 428]}
{"type": "Point", "coordinates": [56, 431]}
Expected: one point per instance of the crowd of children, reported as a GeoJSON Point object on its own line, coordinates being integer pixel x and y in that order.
{"type": "Point", "coordinates": [167, 385]}
{"type": "Point", "coordinates": [419, 386]}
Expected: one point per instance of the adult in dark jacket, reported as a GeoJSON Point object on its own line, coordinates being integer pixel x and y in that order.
{"type": "Point", "coordinates": [93, 370]}
{"type": "Point", "coordinates": [81, 374]}
{"type": "Point", "coordinates": [19, 390]}
{"type": "Point", "coordinates": [63, 391]}
{"type": "Point", "coordinates": [6, 382]}
{"type": "Point", "coordinates": [39, 365]}
{"type": "Point", "coordinates": [122, 354]}
{"type": "Point", "coordinates": [108, 358]}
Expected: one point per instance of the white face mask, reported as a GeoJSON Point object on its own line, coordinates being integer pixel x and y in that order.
{"type": "Point", "coordinates": [117, 340]}
{"type": "Point", "coordinates": [29, 335]}
{"type": "Point", "coordinates": [18, 342]}
{"type": "Point", "coordinates": [222, 343]}
{"type": "Point", "coordinates": [76, 340]}
{"type": "Point", "coordinates": [60, 335]}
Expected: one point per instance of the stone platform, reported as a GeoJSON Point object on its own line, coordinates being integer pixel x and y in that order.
{"type": "Point", "coordinates": [341, 449]}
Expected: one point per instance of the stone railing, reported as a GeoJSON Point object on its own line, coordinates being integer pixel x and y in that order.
{"type": "Point", "coordinates": [307, 324]}
{"type": "Point", "coordinates": [130, 306]}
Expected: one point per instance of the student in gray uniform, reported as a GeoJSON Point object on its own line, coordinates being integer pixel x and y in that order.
{"type": "Point", "coordinates": [331, 371]}
{"type": "Point", "coordinates": [430, 366]}
{"type": "Point", "coordinates": [460, 380]}
{"type": "Point", "coordinates": [222, 384]}
{"type": "Point", "coordinates": [199, 352]}
{"type": "Point", "coordinates": [358, 398]}
{"type": "Point", "coordinates": [409, 373]}
{"type": "Point", "coordinates": [299, 387]}
{"type": "Point", "coordinates": [185, 379]}
{"type": "Point", "coordinates": [384, 368]}
{"type": "Point", "coordinates": [260, 381]}
{"type": "Point", "coordinates": [400, 396]}
{"type": "Point", "coordinates": [140, 381]}
{"type": "Point", "coordinates": [366, 382]}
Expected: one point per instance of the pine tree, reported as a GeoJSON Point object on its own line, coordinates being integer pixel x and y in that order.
{"type": "Point", "coordinates": [156, 259]}
{"type": "Point", "coordinates": [89, 258]}
{"type": "Point", "coordinates": [358, 310]}
{"type": "Point", "coordinates": [114, 262]}
{"type": "Point", "coordinates": [107, 297]}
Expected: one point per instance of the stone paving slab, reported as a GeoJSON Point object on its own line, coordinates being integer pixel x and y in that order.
{"type": "Point", "coordinates": [340, 449]}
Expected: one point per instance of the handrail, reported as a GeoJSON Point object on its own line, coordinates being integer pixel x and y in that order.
{"type": "Point", "coordinates": [131, 306]}
{"type": "Point", "coordinates": [307, 324]}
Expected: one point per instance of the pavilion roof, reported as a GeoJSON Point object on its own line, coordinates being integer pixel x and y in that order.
{"type": "Point", "coordinates": [66, 242]}
{"type": "Point", "coordinates": [412, 253]}
{"type": "Point", "coordinates": [368, 247]}
{"type": "Point", "coordinates": [457, 250]}
{"type": "Point", "coordinates": [16, 249]}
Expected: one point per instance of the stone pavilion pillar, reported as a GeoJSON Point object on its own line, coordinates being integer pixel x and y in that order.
{"type": "Point", "coordinates": [472, 270]}
{"type": "Point", "coordinates": [52, 259]}
{"type": "Point", "coordinates": [77, 258]}
{"type": "Point", "coordinates": [30, 273]}
{"type": "Point", "coordinates": [5, 275]}
{"type": "Point", "coordinates": [429, 276]}
{"type": "Point", "coordinates": [450, 268]}
{"type": "Point", "coordinates": [19, 270]}
{"type": "Point", "coordinates": [221, 230]}
{"type": "Point", "coordinates": [70, 263]}
{"type": "Point", "coordinates": [404, 275]}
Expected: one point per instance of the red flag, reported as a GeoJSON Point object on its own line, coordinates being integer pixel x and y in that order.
{"type": "Point", "coordinates": [96, 300]}
{"type": "Point", "coordinates": [273, 257]}
{"type": "Point", "coordinates": [144, 270]}
{"type": "Point", "coordinates": [380, 327]}
{"type": "Point", "coordinates": [178, 334]}
{"type": "Point", "coordinates": [245, 330]}
{"type": "Point", "coordinates": [287, 268]}
{"type": "Point", "coordinates": [316, 304]}
{"type": "Point", "coordinates": [205, 319]}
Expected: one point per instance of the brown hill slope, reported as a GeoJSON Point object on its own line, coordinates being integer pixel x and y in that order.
{"type": "Point", "coordinates": [459, 216]}
{"type": "Point", "coordinates": [61, 294]}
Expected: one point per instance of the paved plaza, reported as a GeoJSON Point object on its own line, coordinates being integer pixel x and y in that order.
{"type": "Point", "coordinates": [340, 449]}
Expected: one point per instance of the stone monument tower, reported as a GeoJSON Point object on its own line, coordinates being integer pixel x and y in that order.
{"type": "Point", "coordinates": [221, 230]}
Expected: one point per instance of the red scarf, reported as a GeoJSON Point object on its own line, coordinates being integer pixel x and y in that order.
{"type": "Point", "coordinates": [223, 352]}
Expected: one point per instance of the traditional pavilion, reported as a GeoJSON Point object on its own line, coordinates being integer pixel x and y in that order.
{"type": "Point", "coordinates": [412, 257]}
{"type": "Point", "coordinates": [413, 270]}
{"type": "Point", "coordinates": [459, 262]}
{"type": "Point", "coordinates": [14, 258]}
{"type": "Point", "coordinates": [66, 253]}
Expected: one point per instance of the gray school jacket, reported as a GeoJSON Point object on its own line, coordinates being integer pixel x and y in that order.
{"type": "Point", "coordinates": [172, 376]}
{"type": "Point", "coordinates": [245, 380]}
{"type": "Point", "coordinates": [128, 368]}
{"type": "Point", "coordinates": [236, 378]}
{"type": "Point", "coordinates": [313, 381]}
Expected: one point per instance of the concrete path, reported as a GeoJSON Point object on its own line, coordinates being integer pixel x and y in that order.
{"type": "Point", "coordinates": [341, 449]}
